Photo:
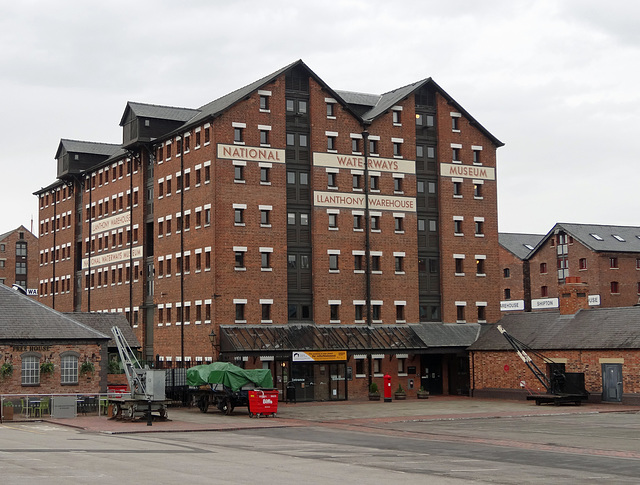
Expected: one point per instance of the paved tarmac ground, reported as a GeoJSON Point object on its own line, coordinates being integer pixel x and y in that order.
{"type": "Point", "coordinates": [441, 440]}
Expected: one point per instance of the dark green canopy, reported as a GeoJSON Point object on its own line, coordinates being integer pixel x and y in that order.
{"type": "Point", "coordinates": [229, 375]}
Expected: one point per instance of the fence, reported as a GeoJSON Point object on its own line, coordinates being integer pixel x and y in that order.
{"type": "Point", "coordinates": [26, 407]}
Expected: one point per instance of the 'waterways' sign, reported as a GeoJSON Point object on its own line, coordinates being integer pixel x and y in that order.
{"type": "Point", "coordinates": [355, 162]}
{"type": "Point", "coordinates": [115, 257]}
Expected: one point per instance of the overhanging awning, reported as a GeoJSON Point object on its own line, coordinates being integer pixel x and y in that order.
{"type": "Point", "coordinates": [282, 339]}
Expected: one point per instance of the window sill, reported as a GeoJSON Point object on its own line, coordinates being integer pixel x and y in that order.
{"type": "Point", "coordinates": [235, 181]}
{"type": "Point", "coordinates": [455, 131]}
{"type": "Point", "coordinates": [358, 230]}
{"type": "Point", "coordinates": [457, 161]}
{"type": "Point", "coordinates": [266, 321]}
{"type": "Point", "coordinates": [240, 321]}
{"type": "Point", "coordinates": [400, 272]}
{"type": "Point", "coordinates": [457, 196]}
{"type": "Point", "coordinates": [399, 232]}
{"type": "Point", "coordinates": [332, 151]}
{"type": "Point", "coordinates": [402, 374]}
{"type": "Point", "coordinates": [331, 187]}
{"type": "Point", "coordinates": [239, 224]}
{"type": "Point", "coordinates": [479, 235]}
{"type": "Point", "coordinates": [334, 321]}
{"type": "Point", "coordinates": [265, 225]}
{"type": "Point", "coordinates": [265, 110]}
{"type": "Point", "coordinates": [265, 183]}
{"type": "Point", "coordinates": [358, 271]}
{"type": "Point", "coordinates": [334, 271]}
{"type": "Point", "coordinates": [266, 269]}
{"type": "Point", "coordinates": [458, 234]}
{"type": "Point", "coordinates": [238, 143]}
{"type": "Point", "coordinates": [458, 274]}
{"type": "Point", "coordinates": [240, 269]}
{"type": "Point", "coordinates": [481, 274]}
{"type": "Point", "coordinates": [333, 228]}
{"type": "Point", "coordinates": [358, 189]}
{"type": "Point", "coordinates": [376, 272]}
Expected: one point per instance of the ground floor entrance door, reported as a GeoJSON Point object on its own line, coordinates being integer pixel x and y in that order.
{"type": "Point", "coordinates": [612, 382]}
{"type": "Point", "coordinates": [431, 375]}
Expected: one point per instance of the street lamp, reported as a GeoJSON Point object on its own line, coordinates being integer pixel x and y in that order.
{"type": "Point", "coordinates": [212, 339]}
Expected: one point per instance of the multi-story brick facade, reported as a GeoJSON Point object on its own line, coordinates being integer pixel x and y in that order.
{"type": "Point", "coordinates": [607, 258]}
{"type": "Point", "coordinates": [19, 259]}
{"type": "Point", "coordinates": [516, 285]}
{"type": "Point", "coordinates": [284, 202]}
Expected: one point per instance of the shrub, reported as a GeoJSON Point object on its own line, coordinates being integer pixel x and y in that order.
{"type": "Point", "coordinates": [373, 388]}
{"type": "Point", "coordinates": [6, 369]}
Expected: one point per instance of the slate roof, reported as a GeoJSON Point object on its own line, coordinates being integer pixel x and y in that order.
{"type": "Point", "coordinates": [601, 328]}
{"type": "Point", "coordinates": [447, 334]}
{"type": "Point", "coordinates": [144, 110]}
{"type": "Point", "coordinates": [23, 318]}
{"type": "Point", "coordinates": [102, 322]}
{"type": "Point", "coordinates": [88, 147]}
{"type": "Point", "coordinates": [515, 242]}
{"type": "Point", "coordinates": [583, 234]}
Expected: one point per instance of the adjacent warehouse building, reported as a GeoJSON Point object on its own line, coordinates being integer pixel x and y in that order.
{"type": "Point", "coordinates": [19, 259]}
{"type": "Point", "coordinates": [534, 267]}
{"type": "Point", "coordinates": [285, 202]}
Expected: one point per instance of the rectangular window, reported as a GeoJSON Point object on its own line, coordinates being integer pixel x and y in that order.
{"type": "Point", "coordinates": [238, 135]}
{"type": "Point", "coordinates": [239, 216]}
{"type": "Point", "coordinates": [397, 149]}
{"type": "Point", "coordinates": [482, 314]}
{"type": "Point", "coordinates": [334, 313]}
{"type": "Point", "coordinates": [332, 180]}
{"type": "Point", "coordinates": [455, 153]}
{"type": "Point", "coordinates": [613, 263]}
{"type": "Point", "coordinates": [397, 117]}
{"type": "Point", "coordinates": [331, 143]}
{"type": "Point", "coordinates": [477, 191]}
{"type": "Point", "coordinates": [265, 260]}
{"type": "Point", "coordinates": [264, 217]}
{"type": "Point", "coordinates": [30, 371]}
{"type": "Point", "coordinates": [355, 145]}
{"type": "Point", "coordinates": [459, 266]}
{"type": "Point", "coordinates": [615, 287]}
{"type": "Point", "coordinates": [358, 262]}
{"type": "Point", "coordinates": [330, 109]}
{"type": "Point", "coordinates": [264, 103]}
{"type": "Point", "coordinates": [543, 268]}
{"type": "Point", "coordinates": [264, 137]}
{"type": "Point", "coordinates": [374, 182]}
{"type": "Point", "coordinates": [400, 317]}
{"type": "Point", "coordinates": [399, 224]}
{"type": "Point", "coordinates": [240, 312]}
{"type": "Point", "coordinates": [357, 181]}
{"type": "Point", "coordinates": [239, 259]}
{"type": "Point", "coordinates": [460, 314]}
{"type": "Point", "coordinates": [357, 222]}
{"type": "Point", "coordinates": [582, 263]}
{"type": "Point", "coordinates": [238, 173]}
{"type": "Point", "coordinates": [507, 293]}
{"type": "Point", "coordinates": [375, 263]}
{"type": "Point", "coordinates": [479, 228]}
{"type": "Point", "coordinates": [69, 369]}
{"type": "Point", "coordinates": [333, 262]}
{"type": "Point", "coordinates": [333, 221]}
{"type": "Point", "coordinates": [399, 260]}
{"type": "Point", "coordinates": [457, 189]}
{"type": "Point", "coordinates": [375, 223]}
{"type": "Point", "coordinates": [457, 227]}
{"type": "Point", "coordinates": [265, 175]}
{"type": "Point", "coordinates": [544, 291]}
{"type": "Point", "coordinates": [480, 267]}
{"type": "Point", "coordinates": [266, 312]}
{"type": "Point", "coordinates": [373, 146]}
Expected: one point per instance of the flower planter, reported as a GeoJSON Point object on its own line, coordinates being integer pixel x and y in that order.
{"type": "Point", "coordinates": [400, 396]}
{"type": "Point", "coordinates": [7, 413]}
{"type": "Point", "coordinates": [374, 396]}
{"type": "Point", "coordinates": [423, 395]}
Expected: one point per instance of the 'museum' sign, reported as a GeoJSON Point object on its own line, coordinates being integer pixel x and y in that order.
{"type": "Point", "coordinates": [467, 171]}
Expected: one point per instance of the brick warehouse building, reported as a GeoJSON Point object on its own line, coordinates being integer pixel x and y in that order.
{"type": "Point", "coordinates": [263, 207]}
{"type": "Point", "coordinates": [19, 259]}
{"type": "Point", "coordinates": [605, 257]}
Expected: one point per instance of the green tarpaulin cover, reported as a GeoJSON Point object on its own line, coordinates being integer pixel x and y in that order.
{"type": "Point", "coordinates": [229, 375]}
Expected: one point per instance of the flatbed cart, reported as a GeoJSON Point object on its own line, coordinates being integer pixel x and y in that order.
{"type": "Point", "coordinates": [225, 386]}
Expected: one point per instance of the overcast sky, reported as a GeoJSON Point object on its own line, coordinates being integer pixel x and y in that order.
{"type": "Point", "coordinates": [557, 81]}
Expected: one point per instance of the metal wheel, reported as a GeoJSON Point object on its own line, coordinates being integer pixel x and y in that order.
{"type": "Point", "coordinates": [203, 404]}
{"type": "Point", "coordinates": [131, 411]}
{"type": "Point", "coordinates": [163, 412]}
{"type": "Point", "coordinates": [228, 408]}
{"type": "Point", "coordinates": [117, 410]}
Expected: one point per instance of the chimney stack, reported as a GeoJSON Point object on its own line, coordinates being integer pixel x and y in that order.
{"type": "Point", "coordinates": [574, 296]}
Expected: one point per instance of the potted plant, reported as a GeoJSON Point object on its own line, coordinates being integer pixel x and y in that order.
{"type": "Point", "coordinates": [86, 368]}
{"type": "Point", "coordinates": [7, 411]}
{"type": "Point", "coordinates": [6, 369]}
{"type": "Point", "coordinates": [374, 394]}
{"type": "Point", "coordinates": [423, 393]}
{"type": "Point", "coordinates": [400, 395]}
{"type": "Point", "coordinates": [46, 368]}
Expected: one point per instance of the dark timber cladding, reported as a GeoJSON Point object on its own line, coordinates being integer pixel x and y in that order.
{"type": "Point", "coordinates": [346, 217]}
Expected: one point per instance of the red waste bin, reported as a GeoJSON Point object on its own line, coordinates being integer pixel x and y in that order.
{"type": "Point", "coordinates": [263, 402]}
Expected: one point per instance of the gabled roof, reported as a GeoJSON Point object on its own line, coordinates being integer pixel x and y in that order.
{"type": "Point", "coordinates": [218, 106]}
{"type": "Point", "coordinates": [447, 334]}
{"type": "Point", "coordinates": [143, 110]}
{"type": "Point", "coordinates": [387, 100]}
{"type": "Point", "coordinates": [597, 237]}
{"type": "Point", "coordinates": [88, 147]}
{"type": "Point", "coordinates": [103, 322]}
{"type": "Point", "coordinates": [19, 228]}
{"type": "Point", "coordinates": [23, 318]}
{"type": "Point", "coordinates": [520, 245]}
{"type": "Point", "coordinates": [601, 328]}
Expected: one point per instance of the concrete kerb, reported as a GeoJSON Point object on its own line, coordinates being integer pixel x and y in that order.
{"type": "Point", "coordinates": [353, 413]}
